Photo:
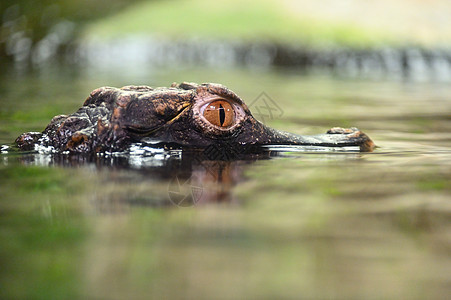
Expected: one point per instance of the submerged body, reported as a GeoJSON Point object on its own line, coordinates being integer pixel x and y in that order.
{"type": "Point", "coordinates": [187, 115]}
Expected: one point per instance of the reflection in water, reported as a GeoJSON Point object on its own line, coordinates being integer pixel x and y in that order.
{"type": "Point", "coordinates": [208, 182]}
{"type": "Point", "coordinates": [191, 177]}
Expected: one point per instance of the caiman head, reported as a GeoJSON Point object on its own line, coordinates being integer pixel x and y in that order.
{"type": "Point", "coordinates": [187, 115]}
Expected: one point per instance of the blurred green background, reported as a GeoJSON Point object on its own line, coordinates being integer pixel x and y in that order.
{"type": "Point", "coordinates": [34, 32]}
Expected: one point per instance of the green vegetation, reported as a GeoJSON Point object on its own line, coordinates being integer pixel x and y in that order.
{"type": "Point", "coordinates": [25, 23]}
{"type": "Point", "coordinates": [431, 184]}
{"type": "Point", "coordinates": [232, 20]}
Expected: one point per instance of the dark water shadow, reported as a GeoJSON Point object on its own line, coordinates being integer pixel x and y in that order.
{"type": "Point", "coordinates": [192, 177]}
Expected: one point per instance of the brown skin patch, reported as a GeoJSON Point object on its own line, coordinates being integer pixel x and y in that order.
{"type": "Point", "coordinates": [101, 128]}
{"type": "Point", "coordinates": [122, 101]}
{"type": "Point", "coordinates": [368, 145]}
{"type": "Point", "coordinates": [160, 109]}
{"type": "Point", "coordinates": [117, 113]}
{"type": "Point", "coordinates": [76, 141]}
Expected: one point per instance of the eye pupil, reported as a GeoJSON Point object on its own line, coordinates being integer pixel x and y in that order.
{"type": "Point", "coordinates": [220, 113]}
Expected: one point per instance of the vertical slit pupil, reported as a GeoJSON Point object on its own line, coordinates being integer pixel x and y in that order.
{"type": "Point", "coordinates": [221, 114]}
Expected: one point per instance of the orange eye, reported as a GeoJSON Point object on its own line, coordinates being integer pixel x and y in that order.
{"type": "Point", "coordinates": [219, 113]}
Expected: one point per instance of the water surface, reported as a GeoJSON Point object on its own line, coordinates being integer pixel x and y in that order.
{"type": "Point", "coordinates": [286, 223]}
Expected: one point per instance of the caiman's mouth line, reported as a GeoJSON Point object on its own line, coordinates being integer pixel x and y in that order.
{"type": "Point", "coordinates": [144, 131]}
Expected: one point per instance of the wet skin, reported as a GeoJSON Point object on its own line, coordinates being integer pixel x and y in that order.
{"type": "Point", "coordinates": [186, 115]}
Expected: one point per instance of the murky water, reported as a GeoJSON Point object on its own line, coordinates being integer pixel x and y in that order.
{"type": "Point", "coordinates": [286, 223]}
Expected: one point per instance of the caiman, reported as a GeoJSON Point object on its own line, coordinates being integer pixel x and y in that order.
{"type": "Point", "coordinates": [185, 115]}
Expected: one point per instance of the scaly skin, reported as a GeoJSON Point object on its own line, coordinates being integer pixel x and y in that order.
{"type": "Point", "coordinates": [111, 119]}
